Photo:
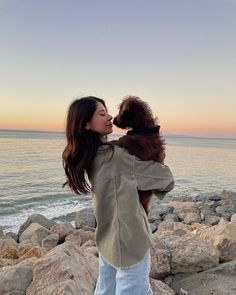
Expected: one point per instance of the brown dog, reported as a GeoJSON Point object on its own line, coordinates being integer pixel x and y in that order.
{"type": "Point", "coordinates": [143, 139]}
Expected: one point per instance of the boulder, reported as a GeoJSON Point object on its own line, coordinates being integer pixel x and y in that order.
{"type": "Point", "coordinates": [175, 229]}
{"type": "Point", "coordinates": [172, 216]}
{"type": "Point", "coordinates": [179, 226]}
{"type": "Point", "coordinates": [86, 236]}
{"type": "Point", "coordinates": [153, 227]}
{"type": "Point", "coordinates": [50, 241]}
{"type": "Point", "coordinates": [208, 197]}
{"type": "Point", "coordinates": [211, 219]}
{"type": "Point", "coordinates": [192, 217]}
{"type": "Point", "coordinates": [222, 237]}
{"type": "Point", "coordinates": [226, 268]}
{"type": "Point", "coordinates": [89, 228]}
{"type": "Point", "coordinates": [24, 246]}
{"type": "Point", "coordinates": [228, 195]}
{"type": "Point", "coordinates": [226, 210]}
{"type": "Point", "coordinates": [159, 288]}
{"type": "Point", "coordinates": [12, 235]}
{"type": "Point", "coordinates": [36, 218]}
{"type": "Point", "coordinates": [206, 209]}
{"type": "Point", "coordinates": [160, 210]}
{"type": "Point", "coordinates": [7, 262]}
{"type": "Point", "coordinates": [63, 230]}
{"type": "Point", "coordinates": [160, 259]}
{"type": "Point", "coordinates": [184, 208]}
{"type": "Point", "coordinates": [66, 269]}
{"type": "Point", "coordinates": [215, 197]}
{"type": "Point", "coordinates": [36, 252]}
{"type": "Point", "coordinates": [8, 248]}
{"type": "Point", "coordinates": [206, 284]}
{"type": "Point", "coordinates": [191, 254]}
{"type": "Point", "coordinates": [85, 217]}
{"type": "Point", "coordinates": [35, 233]}
{"type": "Point", "coordinates": [74, 238]}
{"type": "Point", "coordinates": [87, 244]}
{"type": "Point", "coordinates": [201, 198]}
{"type": "Point", "coordinates": [155, 222]}
{"type": "Point", "coordinates": [15, 279]}
{"type": "Point", "coordinates": [166, 225]}
{"type": "Point", "coordinates": [170, 231]}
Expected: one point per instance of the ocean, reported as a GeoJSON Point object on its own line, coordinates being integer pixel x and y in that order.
{"type": "Point", "coordinates": [31, 173]}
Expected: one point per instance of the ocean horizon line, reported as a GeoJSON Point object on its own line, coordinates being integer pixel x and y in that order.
{"type": "Point", "coordinates": [168, 134]}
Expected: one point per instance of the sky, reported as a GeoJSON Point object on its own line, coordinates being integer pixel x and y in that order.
{"type": "Point", "coordinates": [179, 56]}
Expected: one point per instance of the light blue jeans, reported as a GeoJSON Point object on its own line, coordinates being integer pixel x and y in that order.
{"type": "Point", "coordinates": [130, 281]}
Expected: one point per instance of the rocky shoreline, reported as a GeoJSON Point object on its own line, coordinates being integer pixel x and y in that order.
{"type": "Point", "coordinates": [194, 250]}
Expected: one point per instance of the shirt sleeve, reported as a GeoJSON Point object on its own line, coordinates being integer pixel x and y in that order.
{"type": "Point", "coordinates": [153, 176]}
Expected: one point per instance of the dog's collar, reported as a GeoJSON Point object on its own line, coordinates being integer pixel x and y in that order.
{"type": "Point", "coordinates": [144, 131]}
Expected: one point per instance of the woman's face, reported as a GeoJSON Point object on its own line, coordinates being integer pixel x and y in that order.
{"type": "Point", "coordinates": [101, 121]}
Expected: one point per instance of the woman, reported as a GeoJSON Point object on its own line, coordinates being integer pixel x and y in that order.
{"type": "Point", "coordinates": [123, 235]}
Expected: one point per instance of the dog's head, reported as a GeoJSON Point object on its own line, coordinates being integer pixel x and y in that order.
{"type": "Point", "coordinates": [134, 113]}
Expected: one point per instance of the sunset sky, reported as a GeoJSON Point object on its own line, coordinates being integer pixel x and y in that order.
{"type": "Point", "coordinates": [179, 56]}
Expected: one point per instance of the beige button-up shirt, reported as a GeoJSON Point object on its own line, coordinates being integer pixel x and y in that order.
{"type": "Point", "coordinates": [123, 234]}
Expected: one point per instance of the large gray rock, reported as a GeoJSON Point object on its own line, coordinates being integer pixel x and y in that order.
{"type": "Point", "coordinates": [208, 197]}
{"type": "Point", "coordinates": [35, 233]}
{"type": "Point", "coordinates": [228, 195]}
{"type": "Point", "coordinates": [172, 216]}
{"type": "Point", "coordinates": [14, 280]}
{"type": "Point", "coordinates": [50, 242]}
{"type": "Point", "coordinates": [86, 235]}
{"type": "Point", "coordinates": [159, 288]}
{"type": "Point", "coordinates": [159, 210]}
{"type": "Point", "coordinates": [85, 217]}
{"type": "Point", "coordinates": [166, 225]}
{"type": "Point", "coordinates": [226, 210]}
{"type": "Point", "coordinates": [74, 238]}
{"type": "Point", "coordinates": [191, 254]}
{"type": "Point", "coordinates": [215, 197]}
{"type": "Point", "coordinates": [36, 218]}
{"type": "Point", "coordinates": [36, 252]}
{"type": "Point", "coordinates": [66, 269]}
{"type": "Point", "coordinates": [192, 217]}
{"type": "Point", "coordinates": [24, 246]}
{"type": "Point", "coordinates": [63, 230]}
{"type": "Point", "coordinates": [171, 228]}
{"type": "Point", "coordinates": [170, 231]}
{"type": "Point", "coordinates": [182, 209]}
{"type": "Point", "coordinates": [206, 209]}
{"type": "Point", "coordinates": [7, 262]}
{"type": "Point", "coordinates": [160, 259]}
{"type": "Point", "coordinates": [227, 268]}
{"type": "Point", "coordinates": [206, 284]}
{"type": "Point", "coordinates": [12, 235]}
{"type": "Point", "coordinates": [8, 248]}
{"type": "Point", "coordinates": [211, 219]}
{"type": "Point", "coordinates": [222, 237]}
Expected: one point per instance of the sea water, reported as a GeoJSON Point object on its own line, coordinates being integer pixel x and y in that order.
{"type": "Point", "coordinates": [31, 173]}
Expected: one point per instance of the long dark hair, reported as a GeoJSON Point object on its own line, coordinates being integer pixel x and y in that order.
{"type": "Point", "coordinates": [81, 145]}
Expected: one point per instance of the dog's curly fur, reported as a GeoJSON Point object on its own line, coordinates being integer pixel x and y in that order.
{"type": "Point", "coordinates": [136, 115]}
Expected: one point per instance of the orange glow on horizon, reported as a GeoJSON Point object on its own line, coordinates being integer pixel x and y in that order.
{"type": "Point", "coordinates": [202, 128]}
